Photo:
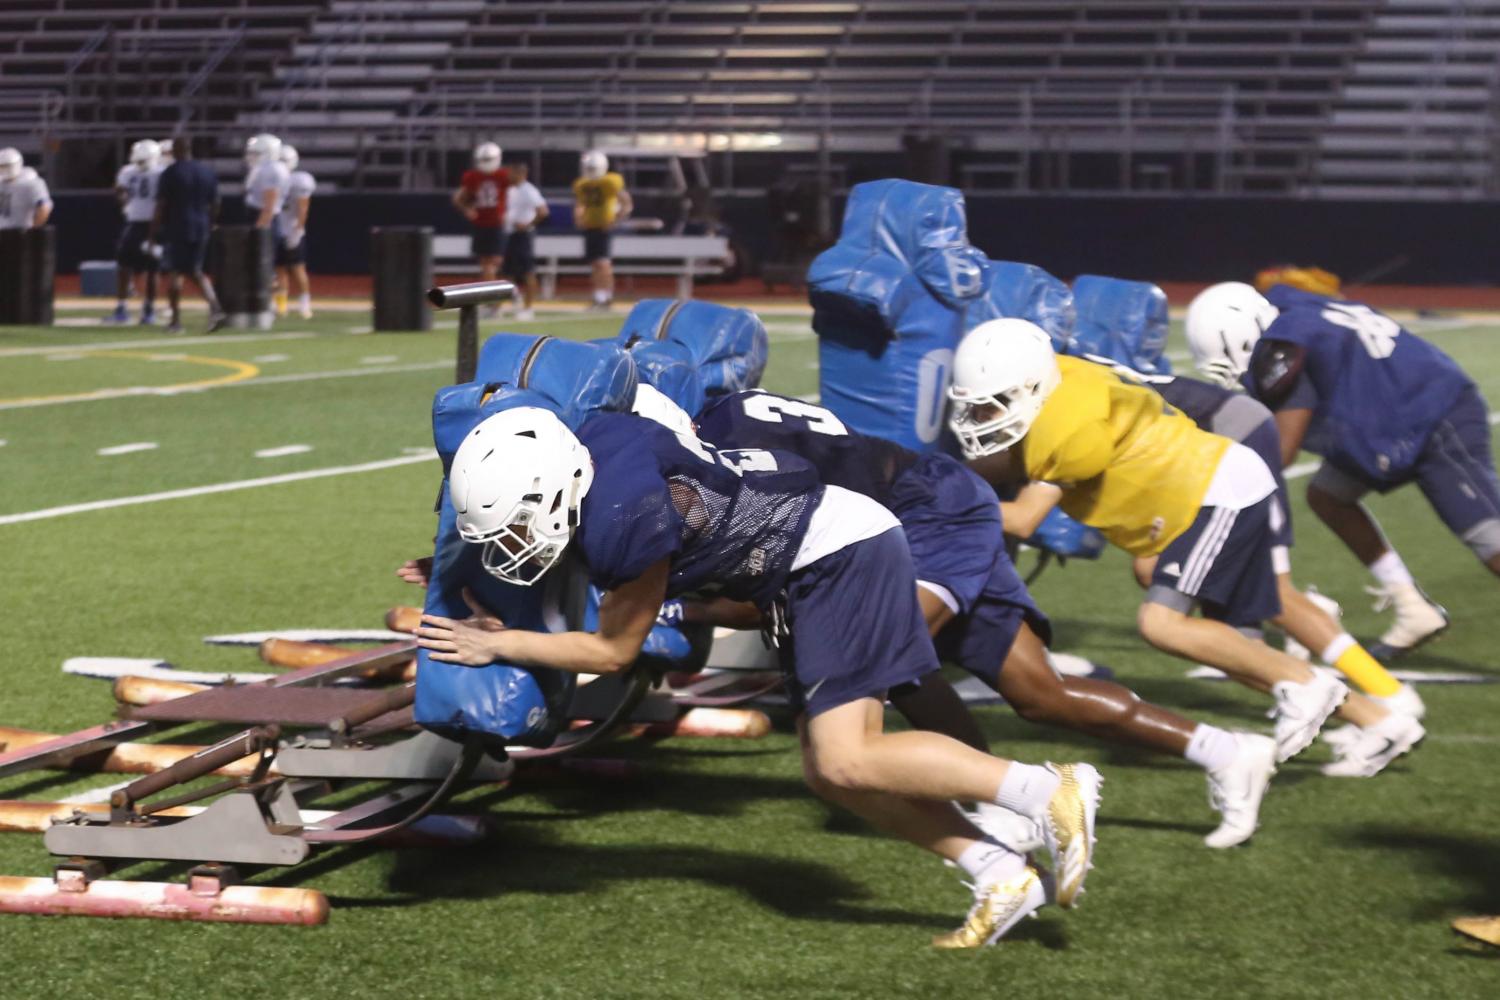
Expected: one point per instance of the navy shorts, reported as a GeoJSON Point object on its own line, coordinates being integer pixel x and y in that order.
{"type": "Point", "coordinates": [520, 255]}
{"type": "Point", "coordinates": [1223, 564]}
{"type": "Point", "coordinates": [980, 639]}
{"type": "Point", "coordinates": [596, 244]}
{"type": "Point", "coordinates": [291, 256]}
{"type": "Point", "coordinates": [1265, 441]}
{"type": "Point", "coordinates": [128, 252]}
{"type": "Point", "coordinates": [489, 241]}
{"type": "Point", "coordinates": [184, 256]}
{"type": "Point", "coordinates": [853, 626]}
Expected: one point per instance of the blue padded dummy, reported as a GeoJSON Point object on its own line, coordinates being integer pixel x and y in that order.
{"type": "Point", "coordinates": [1124, 321]}
{"type": "Point", "coordinates": [578, 378]}
{"type": "Point", "coordinates": [672, 370]}
{"type": "Point", "coordinates": [893, 297]}
{"type": "Point", "coordinates": [728, 346]}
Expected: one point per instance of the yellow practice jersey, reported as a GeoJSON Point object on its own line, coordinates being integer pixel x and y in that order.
{"type": "Point", "coordinates": [1128, 464]}
{"type": "Point", "coordinates": [599, 198]}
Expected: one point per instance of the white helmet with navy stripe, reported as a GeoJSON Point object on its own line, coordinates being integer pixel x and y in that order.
{"type": "Point", "coordinates": [1003, 371]}
{"type": "Point", "coordinates": [1223, 324]}
{"type": "Point", "coordinates": [517, 484]}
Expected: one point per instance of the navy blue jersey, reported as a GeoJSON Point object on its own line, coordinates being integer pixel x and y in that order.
{"type": "Point", "coordinates": [189, 190]}
{"type": "Point", "coordinates": [1377, 391]}
{"type": "Point", "coordinates": [1198, 400]}
{"type": "Point", "coordinates": [760, 419]}
{"type": "Point", "coordinates": [730, 521]}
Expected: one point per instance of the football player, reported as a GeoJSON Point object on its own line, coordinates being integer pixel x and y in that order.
{"type": "Point", "coordinates": [135, 190]}
{"type": "Point", "coordinates": [978, 610]}
{"type": "Point", "coordinates": [1307, 622]}
{"type": "Point", "coordinates": [525, 209]}
{"type": "Point", "coordinates": [600, 202]}
{"type": "Point", "coordinates": [1116, 457]}
{"type": "Point", "coordinates": [25, 202]}
{"type": "Point", "coordinates": [1382, 406]}
{"type": "Point", "coordinates": [266, 183]}
{"type": "Point", "coordinates": [654, 514]}
{"type": "Point", "coordinates": [481, 198]}
{"type": "Point", "coordinates": [291, 248]}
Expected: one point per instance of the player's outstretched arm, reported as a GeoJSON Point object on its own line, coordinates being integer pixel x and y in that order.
{"type": "Point", "coordinates": [1292, 426]}
{"type": "Point", "coordinates": [1023, 515]}
{"type": "Point", "coordinates": [626, 616]}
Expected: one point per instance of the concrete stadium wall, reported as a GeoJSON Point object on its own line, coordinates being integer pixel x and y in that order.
{"type": "Point", "coordinates": [1159, 239]}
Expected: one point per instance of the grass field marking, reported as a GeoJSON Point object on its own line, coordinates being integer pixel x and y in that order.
{"type": "Point", "coordinates": [378, 359]}
{"type": "Point", "coordinates": [265, 359]}
{"type": "Point", "coordinates": [198, 491]}
{"type": "Point", "coordinates": [240, 338]}
{"type": "Point", "coordinates": [238, 372]}
{"type": "Point", "coordinates": [286, 449]}
{"type": "Point", "coordinates": [126, 449]}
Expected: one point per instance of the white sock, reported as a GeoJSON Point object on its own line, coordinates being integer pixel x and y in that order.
{"type": "Point", "coordinates": [1338, 647]}
{"type": "Point", "coordinates": [986, 861]}
{"type": "Point", "coordinates": [600, 295]}
{"type": "Point", "coordinates": [305, 300]}
{"type": "Point", "coordinates": [1390, 571]}
{"type": "Point", "coordinates": [1212, 748]}
{"type": "Point", "coordinates": [1027, 789]}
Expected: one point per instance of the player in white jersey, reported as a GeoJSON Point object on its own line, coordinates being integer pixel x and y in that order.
{"type": "Point", "coordinates": [25, 202]}
{"type": "Point", "coordinates": [267, 181]}
{"type": "Point", "coordinates": [291, 247]}
{"type": "Point", "coordinates": [135, 189]}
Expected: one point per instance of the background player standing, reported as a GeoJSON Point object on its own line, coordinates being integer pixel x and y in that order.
{"type": "Point", "coordinates": [187, 202]}
{"type": "Point", "coordinates": [600, 201]}
{"type": "Point", "coordinates": [481, 198]}
{"type": "Point", "coordinates": [135, 189]}
{"type": "Point", "coordinates": [266, 183]}
{"type": "Point", "coordinates": [291, 247]}
{"type": "Point", "coordinates": [525, 209]}
{"type": "Point", "coordinates": [25, 202]}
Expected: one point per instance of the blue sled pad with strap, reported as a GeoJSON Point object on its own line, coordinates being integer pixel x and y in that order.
{"type": "Point", "coordinates": [578, 378]}
{"type": "Point", "coordinates": [729, 346]}
{"type": "Point", "coordinates": [1123, 321]}
{"type": "Point", "coordinates": [1025, 291]}
{"type": "Point", "coordinates": [672, 370]}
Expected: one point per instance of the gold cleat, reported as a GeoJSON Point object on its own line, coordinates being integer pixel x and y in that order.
{"type": "Point", "coordinates": [997, 908]}
{"type": "Point", "coordinates": [1486, 929]}
{"type": "Point", "coordinates": [1069, 827]}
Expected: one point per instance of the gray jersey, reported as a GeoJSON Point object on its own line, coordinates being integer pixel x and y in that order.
{"type": "Point", "coordinates": [19, 200]}
{"type": "Point", "coordinates": [140, 191]}
{"type": "Point", "coordinates": [267, 175]}
{"type": "Point", "coordinates": [301, 185]}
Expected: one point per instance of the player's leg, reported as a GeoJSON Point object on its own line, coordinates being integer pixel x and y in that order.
{"type": "Point", "coordinates": [148, 303]}
{"type": "Point", "coordinates": [174, 301]}
{"type": "Point", "coordinates": [281, 284]}
{"type": "Point", "coordinates": [933, 704]}
{"type": "Point", "coordinates": [123, 275]}
{"type": "Point", "coordinates": [1335, 497]}
{"type": "Point", "coordinates": [1457, 475]}
{"type": "Point", "coordinates": [302, 288]}
{"type": "Point", "coordinates": [195, 252]}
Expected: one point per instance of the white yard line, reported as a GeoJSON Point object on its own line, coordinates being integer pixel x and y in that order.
{"type": "Point", "coordinates": [265, 359]}
{"type": "Point", "coordinates": [126, 449]}
{"type": "Point", "coordinates": [198, 491]}
{"type": "Point", "coordinates": [286, 449]}
{"type": "Point", "coordinates": [378, 359]}
{"type": "Point", "coordinates": [119, 345]}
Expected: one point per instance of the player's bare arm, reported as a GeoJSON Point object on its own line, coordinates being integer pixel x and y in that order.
{"type": "Point", "coordinates": [463, 200]}
{"type": "Point", "coordinates": [1023, 515]}
{"type": "Point", "coordinates": [625, 205]}
{"type": "Point", "coordinates": [267, 208]}
{"type": "Point", "coordinates": [1292, 425]}
{"type": "Point", "coordinates": [626, 616]}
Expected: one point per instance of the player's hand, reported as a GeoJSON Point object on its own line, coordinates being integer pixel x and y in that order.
{"type": "Point", "coordinates": [469, 641]}
{"type": "Point", "coordinates": [417, 571]}
{"type": "Point", "coordinates": [471, 215]}
{"type": "Point", "coordinates": [293, 237]}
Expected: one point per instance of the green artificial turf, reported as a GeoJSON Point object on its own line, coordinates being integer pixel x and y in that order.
{"type": "Point", "coordinates": [712, 873]}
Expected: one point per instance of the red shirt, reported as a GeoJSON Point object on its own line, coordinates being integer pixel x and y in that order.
{"type": "Point", "coordinates": [487, 191]}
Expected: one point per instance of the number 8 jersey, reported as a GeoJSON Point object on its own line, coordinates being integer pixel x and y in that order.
{"type": "Point", "coordinates": [1377, 392]}
{"type": "Point", "coordinates": [730, 521]}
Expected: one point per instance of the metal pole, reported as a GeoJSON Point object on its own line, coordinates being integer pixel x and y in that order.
{"type": "Point", "coordinates": [467, 299]}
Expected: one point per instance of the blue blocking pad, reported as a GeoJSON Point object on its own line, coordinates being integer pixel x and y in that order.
{"type": "Point", "coordinates": [1124, 321]}
{"type": "Point", "coordinates": [1061, 535]}
{"type": "Point", "coordinates": [672, 370]}
{"type": "Point", "coordinates": [579, 378]}
{"type": "Point", "coordinates": [893, 297]}
{"type": "Point", "coordinates": [728, 346]}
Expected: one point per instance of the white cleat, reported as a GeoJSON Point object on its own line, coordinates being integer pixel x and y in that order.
{"type": "Point", "coordinates": [999, 906]}
{"type": "Point", "coordinates": [525, 315]}
{"type": "Point", "coordinates": [1236, 789]}
{"type": "Point", "coordinates": [1375, 747]}
{"type": "Point", "coordinates": [1020, 833]}
{"type": "Point", "coordinates": [1417, 619]}
{"type": "Point", "coordinates": [1301, 710]}
{"type": "Point", "coordinates": [1068, 827]}
{"type": "Point", "coordinates": [1406, 701]}
{"type": "Point", "coordinates": [1340, 737]}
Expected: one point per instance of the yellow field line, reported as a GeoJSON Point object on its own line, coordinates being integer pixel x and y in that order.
{"type": "Point", "coordinates": [238, 372]}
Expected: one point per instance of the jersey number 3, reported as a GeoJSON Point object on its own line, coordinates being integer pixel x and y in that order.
{"type": "Point", "coordinates": [772, 409]}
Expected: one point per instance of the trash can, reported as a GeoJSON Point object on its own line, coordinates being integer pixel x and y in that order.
{"type": "Point", "coordinates": [401, 264]}
{"type": "Point", "coordinates": [26, 271]}
{"type": "Point", "coordinates": [241, 267]}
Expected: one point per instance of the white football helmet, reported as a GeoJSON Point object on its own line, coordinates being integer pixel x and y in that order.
{"type": "Point", "coordinates": [144, 154]}
{"type": "Point", "coordinates": [487, 157]}
{"type": "Point", "coordinates": [10, 163]}
{"type": "Point", "coordinates": [167, 156]}
{"type": "Point", "coordinates": [1223, 324]}
{"type": "Point", "coordinates": [1003, 372]}
{"type": "Point", "coordinates": [263, 148]}
{"type": "Point", "coordinates": [594, 164]}
{"type": "Point", "coordinates": [517, 483]}
{"type": "Point", "coordinates": [289, 157]}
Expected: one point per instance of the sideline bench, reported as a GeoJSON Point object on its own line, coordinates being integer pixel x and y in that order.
{"type": "Point", "coordinates": [681, 257]}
